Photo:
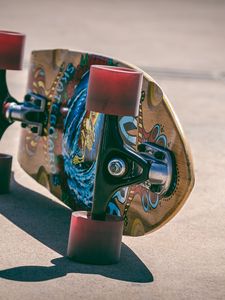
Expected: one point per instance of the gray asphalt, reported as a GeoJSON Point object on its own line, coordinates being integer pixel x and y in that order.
{"type": "Point", "coordinates": [182, 45]}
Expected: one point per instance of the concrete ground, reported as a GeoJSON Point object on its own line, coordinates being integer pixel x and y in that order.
{"type": "Point", "coordinates": [181, 44]}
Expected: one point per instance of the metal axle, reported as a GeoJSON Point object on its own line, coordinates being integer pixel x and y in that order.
{"type": "Point", "coordinates": [31, 113]}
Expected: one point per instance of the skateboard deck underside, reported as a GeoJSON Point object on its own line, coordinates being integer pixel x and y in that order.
{"type": "Point", "coordinates": [64, 158]}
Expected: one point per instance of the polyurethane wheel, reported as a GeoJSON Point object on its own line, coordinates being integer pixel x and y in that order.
{"type": "Point", "coordinates": [94, 241]}
{"type": "Point", "coordinates": [114, 90]}
{"type": "Point", "coordinates": [11, 50]}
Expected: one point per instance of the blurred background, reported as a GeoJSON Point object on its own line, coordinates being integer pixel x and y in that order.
{"type": "Point", "coordinates": [182, 45]}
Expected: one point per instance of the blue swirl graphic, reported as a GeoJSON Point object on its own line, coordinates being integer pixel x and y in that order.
{"type": "Point", "coordinates": [80, 177]}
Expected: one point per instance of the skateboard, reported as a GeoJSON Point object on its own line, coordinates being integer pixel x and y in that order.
{"type": "Point", "coordinates": [84, 137]}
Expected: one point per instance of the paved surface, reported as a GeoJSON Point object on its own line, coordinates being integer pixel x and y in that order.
{"type": "Point", "coordinates": [182, 44]}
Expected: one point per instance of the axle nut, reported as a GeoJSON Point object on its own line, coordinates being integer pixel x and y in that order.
{"type": "Point", "coordinates": [117, 167]}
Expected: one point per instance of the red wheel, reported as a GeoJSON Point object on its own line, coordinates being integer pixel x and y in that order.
{"type": "Point", "coordinates": [11, 50]}
{"type": "Point", "coordinates": [93, 241]}
{"type": "Point", "coordinates": [114, 90]}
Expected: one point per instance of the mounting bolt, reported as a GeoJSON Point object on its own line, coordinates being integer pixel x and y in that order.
{"type": "Point", "coordinates": [155, 188]}
{"type": "Point", "coordinates": [51, 130]}
{"type": "Point", "coordinates": [159, 155]}
{"type": "Point", "coordinates": [34, 130]}
{"type": "Point", "coordinates": [117, 167]}
{"type": "Point", "coordinates": [27, 98]}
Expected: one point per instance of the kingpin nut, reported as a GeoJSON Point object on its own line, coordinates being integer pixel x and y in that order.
{"type": "Point", "coordinates": [117, 167]}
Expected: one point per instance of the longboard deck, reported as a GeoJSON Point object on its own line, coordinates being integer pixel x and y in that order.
{"type": "Point", "coordinates": [64, 158]}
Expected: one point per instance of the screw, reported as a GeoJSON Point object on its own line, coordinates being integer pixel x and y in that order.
{"type": "Point", "coordinates": [141, 147]}
{"type": "Point", "coordinates": [34, 129]}
{"type": "Point", "coordinates": [159, 155]}
{"type": "Point", "coordinates": [51, 130]}
{"type": "Point", "coordinates": [155, 188]}
{"type": "Point", "coordinates": [27, 98]}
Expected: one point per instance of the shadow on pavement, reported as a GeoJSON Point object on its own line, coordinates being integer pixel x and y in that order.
{"type": "Point", "coordinates": [48, 222]}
